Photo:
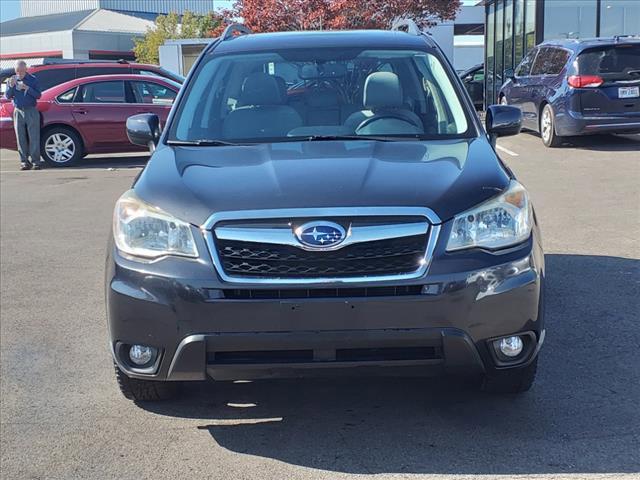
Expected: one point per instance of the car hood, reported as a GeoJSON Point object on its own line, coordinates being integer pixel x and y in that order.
{"type": "Point", "coordinates": [447, 176]}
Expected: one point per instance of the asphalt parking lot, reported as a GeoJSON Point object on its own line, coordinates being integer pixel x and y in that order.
{"type": "Point", "coordinates": [63, 417]}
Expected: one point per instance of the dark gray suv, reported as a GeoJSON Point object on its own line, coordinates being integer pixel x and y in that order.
{"type": "Point", "coordinates": [321, 202]}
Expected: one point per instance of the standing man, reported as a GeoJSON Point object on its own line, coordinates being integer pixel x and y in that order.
{"type": "Point", "coordinates": [24, 90]}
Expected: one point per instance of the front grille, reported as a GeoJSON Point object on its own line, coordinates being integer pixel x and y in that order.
{"type": "Point", "coordinates": [342, 292]}
{"type": "Point", "coordinates": [383, 257]}
{"type": "Point", "coordinates": [370, 354]}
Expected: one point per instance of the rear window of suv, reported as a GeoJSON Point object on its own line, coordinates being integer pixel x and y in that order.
{"type": "Point", "coordinates": [616, 62]}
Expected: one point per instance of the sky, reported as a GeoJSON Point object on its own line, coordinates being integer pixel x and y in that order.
{"type": "Point", "coordinates": [10, 9]}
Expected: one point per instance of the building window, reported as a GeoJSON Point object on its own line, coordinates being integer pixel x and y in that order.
{"type": "Point", "coordinates": [499, 51]}
{"type": "Point", "coordinates": [619, 17]}
{"type": "Point", "coordinates": [508, 34]}
{"type": "Point", "coordinates": [529, 24]}
{"type": "Point", "coordinates": [570, 19]}
{"type": "Point", "coordinates": [489, 64]}
{"type": "Point", "coordinates": [518, 31]}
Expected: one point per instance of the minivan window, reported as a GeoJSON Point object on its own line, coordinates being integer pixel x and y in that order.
{"type": "Point", "coordinates": [525, 66]}
{"type": "Point", "coordinates": [550, 61]}
{"type": "Point", "coordinates": [290, 93]}
{"type": "Point", "coordinates": [620, 62]}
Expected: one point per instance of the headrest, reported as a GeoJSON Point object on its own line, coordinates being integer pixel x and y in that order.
{"type": "Point", "coordinates": [382, 90]}
{"type": "Point", "coordinates": [260, 89]}
{"type": "Point", "coordinates": [323, 98]}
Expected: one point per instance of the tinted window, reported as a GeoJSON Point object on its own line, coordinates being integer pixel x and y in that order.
{"type": "Point", "coordinates": [67, 97]}
{"type": "Point", "coordinates": [91, 71]}
{"type": "Point", "coordinates": [614, 62]}
{"type": "Point", "coordinates": [525, 66]}
{"type": "Point", "coordinates": [153, 73]}
{"type": "Point", "coordinates": [103, 92]}
{"type": "Point", "coordinates": [54, 76]}
{"type": "Point", "coordinates": [550, 61]}
{"type": "Point", "coordinates": [149, 92]}
{"type": "Point", "coordinates": [160, 72]}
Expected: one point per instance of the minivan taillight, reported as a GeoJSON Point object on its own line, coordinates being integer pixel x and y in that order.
{"type": "Point", "coordinates": [582, 81]}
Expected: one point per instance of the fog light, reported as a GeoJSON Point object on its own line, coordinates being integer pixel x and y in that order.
{"type": "Point", "coordinates": [510, 346]}
{"type": "Point", "coordinates": [141, 354]}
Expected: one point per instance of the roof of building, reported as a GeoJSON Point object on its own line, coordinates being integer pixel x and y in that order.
{"type": "Point", "coordinates": [325, 38]}
{"type": "Point", "coordinates": [56, 22]}
{"type": "Point", "coordinates": [102, 20]}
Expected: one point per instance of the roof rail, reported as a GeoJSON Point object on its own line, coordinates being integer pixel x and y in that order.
{"type": "Point", "coordinates": [235, 29]}
{"type": "Point", "coordinates": [406, 25]}
{"type": "Point", "coordinates": [56, 61]}
{"type": "Point", "coordinates": [617, 38]}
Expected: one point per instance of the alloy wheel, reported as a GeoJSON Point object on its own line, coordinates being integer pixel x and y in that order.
{"type": "Point", "coordinates": [60, 148]}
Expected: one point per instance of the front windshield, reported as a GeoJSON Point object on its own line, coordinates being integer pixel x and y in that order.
{"type": "Point", "coordinates": [326, 92]}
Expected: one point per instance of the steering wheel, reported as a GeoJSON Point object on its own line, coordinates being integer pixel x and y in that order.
{"type": "Point", "coordinates": [391, 116]}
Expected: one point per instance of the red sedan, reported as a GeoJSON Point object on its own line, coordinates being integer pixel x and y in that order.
{"type": "Point", "coordinates": [88, 115]}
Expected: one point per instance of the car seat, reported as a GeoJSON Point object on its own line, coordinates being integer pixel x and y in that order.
{"type": "Point", "coordinates": [384, 108]}
{"type": "Point", "coordinates": [263, 112]}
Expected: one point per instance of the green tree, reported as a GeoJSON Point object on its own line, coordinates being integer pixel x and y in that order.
{"type": "Point", "coordinates": [171, 26]}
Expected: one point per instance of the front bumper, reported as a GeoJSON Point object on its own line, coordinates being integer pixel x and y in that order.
{"type": "Point", "coordinates": [180, 307]}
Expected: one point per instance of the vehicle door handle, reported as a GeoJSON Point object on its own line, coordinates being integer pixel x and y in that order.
{"type": "Point", "coordinates": [82, 112]}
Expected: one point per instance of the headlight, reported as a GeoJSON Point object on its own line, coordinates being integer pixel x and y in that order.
{"type": "Point", "coordinates": [500, 222]}
{"type": "Point", "coordinates": [143, 230]}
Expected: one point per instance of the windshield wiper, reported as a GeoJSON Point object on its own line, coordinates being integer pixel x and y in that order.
{"type": "Point", "coordinates": [321, 138]}
{"type": "Point", "coordinates": [201, 143]}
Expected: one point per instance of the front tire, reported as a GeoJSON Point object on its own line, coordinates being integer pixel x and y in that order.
{"type": "Point", "coordinates": [548, 128]}
{"type": "Point", "coordinates": [61, 147]}
{"type": "Point", "coordinates": [144, 390]}
{"type": "Point", "coordinates": [515, 380]}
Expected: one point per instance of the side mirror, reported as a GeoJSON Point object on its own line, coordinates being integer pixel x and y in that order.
{"type": "Point", "coordinates": [509, 73]}
{"type": "Point", "coordinates": [503, 121]}
{"type": "Point", "coordinates": [144, 130]}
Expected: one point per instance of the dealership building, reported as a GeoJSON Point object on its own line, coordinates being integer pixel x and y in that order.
{"type": "Point", "coordinates": [512, 27]}
{"type": "Point", "coordinates": [84, 29]}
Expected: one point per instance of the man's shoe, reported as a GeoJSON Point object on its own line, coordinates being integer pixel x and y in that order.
{"type": "Point", "coordinates": [25, 166]}
{"type": "Point", "coordinates": [37, 167]}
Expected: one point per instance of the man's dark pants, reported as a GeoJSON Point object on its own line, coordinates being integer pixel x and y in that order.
{"type": "Point", "coordinates": [26, 122]}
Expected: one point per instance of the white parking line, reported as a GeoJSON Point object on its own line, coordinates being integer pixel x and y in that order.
{"type": "Point", "coordinates": [82, 170]}
{"type": "Point", "coordinates": [506, 150]}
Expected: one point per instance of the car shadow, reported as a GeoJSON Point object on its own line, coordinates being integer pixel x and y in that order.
{"type": "Point", "coordinates": [581, 416]}
{"type": "Point", "coordinates": [114, 161]}
{"type": "Point", "coordinates": [601, 142]}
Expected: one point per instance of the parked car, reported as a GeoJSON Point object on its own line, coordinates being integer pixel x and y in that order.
{"type": "Point", "coordinates": [263, 239]}
{"type": "Point", "coordinates": [577, 87]}
{"type": "Point", "coordinates": [473, 80]}
{"type": "Point", "coordinates": [88, 115]}
{"type": "Point", "coordinates": [56, 71]}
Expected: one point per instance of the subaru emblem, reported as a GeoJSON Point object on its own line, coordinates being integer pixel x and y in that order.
{"type": "Point", "coordinates": [320, 235]}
